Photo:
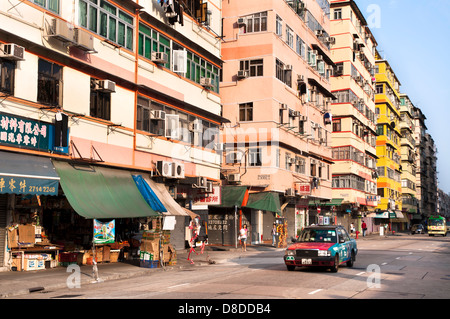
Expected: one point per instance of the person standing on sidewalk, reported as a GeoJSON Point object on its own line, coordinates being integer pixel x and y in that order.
{"type": "Point", "coordinates": [243, 237]}
{"type": "Point", "coordinates": [274, 235]}
{"type": "Point", "coordinates": [352, 229]}
{"type": "Point", "coordinates": [364, 228]}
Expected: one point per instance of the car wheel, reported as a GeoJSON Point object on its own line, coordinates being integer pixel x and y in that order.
{"type": "Point", "coordinates": [290, 268]}
{"type": "Point", "coordinates": [336, 264]}
{"type": "Point", "coordinates": [352, 260]}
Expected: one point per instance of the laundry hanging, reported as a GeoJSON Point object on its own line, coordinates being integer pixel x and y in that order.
{"type": "Point", "coordinates": [61, 127]}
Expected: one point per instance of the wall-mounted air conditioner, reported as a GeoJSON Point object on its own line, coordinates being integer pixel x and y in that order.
{"type": "Point", "coordinates": [11, 51]}
{"type": "Point", "coordinates": [106, 86]}
{"type": "Point", "coordinates": [195, 126]}
{"type": "Point", "coordinates": [241, 21]}
{"type": "Point", "coordinates": [290, 192]}
{"type": "Point", "coordinates": [303, 118]}
{"type": "Point", "coordinates": [200, 182]}
{"type": "Point", "coordinates": [157, 115]}
{"type": "Point", "coordinates": [241, 74]}
{"type": "Point", "coordinates": [159, 57]}
{"type": "Point", "coordinates": [283, 106]}
{"type": "Point", "coordinates": [206, 82]}
{"type": "Point", "coordinates": [165, 168]}
{"type": "Point", "coordinates": [178, 170]}
{"type": "Point", "coordinates": [61, 30]}
{"type": "Point", "coordinates": [209, 187]}
{"type": "Point", "coordinates": [83, 40]}
{"type": "Point", "coordinates": [234, 178]}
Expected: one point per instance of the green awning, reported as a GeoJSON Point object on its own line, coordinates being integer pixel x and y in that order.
{"type": "Point", "coordinates": [269, 201]}
{"type": "Point", "coordinates": [100, 192]}
{"type": "Point", "coordinates": [233, 196]}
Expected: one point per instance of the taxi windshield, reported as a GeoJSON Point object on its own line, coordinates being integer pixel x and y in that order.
{"type": "Point", "coordinates": [318, 236]}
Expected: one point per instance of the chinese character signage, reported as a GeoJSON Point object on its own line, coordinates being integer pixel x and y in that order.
{"type": "Point", "coordinates": [104, 233]}
{"type": "Point", "coordinates": [27, 185]}
{"type": "Point", "coordinates": [303, 188]}
{"type": "Point", "coordinates": [27, 133]}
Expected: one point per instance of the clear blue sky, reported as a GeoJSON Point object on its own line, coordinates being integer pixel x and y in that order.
{"type": "Point", "coordinates": [414, 36]}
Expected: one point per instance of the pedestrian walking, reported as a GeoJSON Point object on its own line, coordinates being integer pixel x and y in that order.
{"type": "Point", "coordinates": [274, 234]}
{"type": "Point", "coordinates": [364, 228]}
{"type": "Point", "coordinates": [243, 237]}
{"type": "Point", "coordinates": [352, 229]}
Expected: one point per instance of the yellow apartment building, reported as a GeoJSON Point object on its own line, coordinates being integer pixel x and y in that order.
{"type": "Point", "coordinates": [388, 141]}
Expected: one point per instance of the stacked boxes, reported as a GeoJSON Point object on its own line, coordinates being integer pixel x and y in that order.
{"type": "Point", "coordinates": [149, 255]}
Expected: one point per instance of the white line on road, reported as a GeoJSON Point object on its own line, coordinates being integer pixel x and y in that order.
{"type": "Point", "coordinates": [361, 273]}
{"type": "Point", "coordinates": [178, 285]}
{"type": "Point", "coordinates": [383, 264]}
{"type": "Point", "coordinates": [315, 291]}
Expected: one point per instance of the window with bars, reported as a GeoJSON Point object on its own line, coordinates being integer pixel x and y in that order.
{"type": "Point", "coordinates": [107, 20]}
{"type": "Point", "coordinates": [100, 103]}
{"type": "Point", "coordinates": [152, 41]}
{"type": "Point", "coordinates": [49, 83]}
{"type": "Point", "coordinates": [246, 112]}
{"type": "Point", "coordinates": [253, 67]}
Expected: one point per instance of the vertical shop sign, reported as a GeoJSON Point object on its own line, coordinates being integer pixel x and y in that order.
{"type": "Point", "coordinates": [104, 232]}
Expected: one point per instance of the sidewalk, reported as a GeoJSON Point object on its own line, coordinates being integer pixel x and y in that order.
{"type": "Point", "coordinates": [25, 282]}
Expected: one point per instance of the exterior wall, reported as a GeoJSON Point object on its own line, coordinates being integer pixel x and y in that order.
{"type": "Point", "coordinates": [354, 119]}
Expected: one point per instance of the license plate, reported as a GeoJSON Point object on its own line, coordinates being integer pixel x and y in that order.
{"type": "Point", "coordinates": [306, 261]}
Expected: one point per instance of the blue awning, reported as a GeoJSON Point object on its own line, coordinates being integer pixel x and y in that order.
{"type": "Point", "coordinates": [27, 174]}
{"type": "Point", "coordinates": [149, 195]}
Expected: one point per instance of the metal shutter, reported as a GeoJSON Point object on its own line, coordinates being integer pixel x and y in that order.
{"type": "Point", "coordinates": [3, 202]}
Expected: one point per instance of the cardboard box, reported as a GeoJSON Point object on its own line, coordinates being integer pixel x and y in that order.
{"type": "Point", "coordinates": [106, 253]}
{"type": "Point", "coordinates": [13, 238]}
{"type": "Point", "coordinates": [151, 246]}
{"type": "Point", "coordinates": [27, 234]}
{"type": "Point", "coordinates": [17, 263]}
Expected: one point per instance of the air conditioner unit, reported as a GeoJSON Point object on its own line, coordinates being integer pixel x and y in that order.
{"type": "Point", "coordinates": [319, 58]}
{"type": "Point", "coordinates": [106, 86]}
{"type": "Point", "coordinates": [234, 178]}
{"type": "Point", "coordinates": [206, 82]}
{"type": "Point", "coordinates": [209, 187]}
{"type": "Point", "coordinates": [330, 40]}
{"type": "Point", "coordinates": [12, 51]}
{"type": "Point", "coordinates": [200, 182]}
{"type": "Point", "coordinates": [165, 168]}
{"type": "Point", "coordinates": [303, 118]}
{"type": "Point", "coordinates": [195, 126]}
{"type": "Point", "coordinates": [83, 40]}
{"type": "Point", "coordinates": [300, 78]}
{"type": "Point", "coordinates": [241, 21]}
{"type": "Point", "coordinates": [157, 115]}
{"type": "Point", "coordinates": [234, 157]}
{"type": "Point", "coordinates": [159, 57]}
{"type": "Point", "coordinates": [178, 170]}
{"type": "Point", "coordinates": [297, 113]}
{"type": "Point", "coordinates": [283, 106]}
{"type": "Point", "coordinates": [219, 147]}
{"type": "Point", "coordinates": [319, 33]}
{"type": "Point", "coordinates": [290, 192]}
{"type": "Point", "coordinates": [287, 67]}
{"type": "Point", "coordinates": [291, 160]}
{"type": "Point", "coordinates": [241, 74]}
{"type": "Point", "coordinates": [61, 30]}
{"type": "Point", "coordinates": [322, 140]}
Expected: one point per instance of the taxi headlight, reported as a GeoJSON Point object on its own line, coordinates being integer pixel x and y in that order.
{"type": "Point", "coordinates": [290, 252]}
{"type": "Point", "coordinates": [324, 253]}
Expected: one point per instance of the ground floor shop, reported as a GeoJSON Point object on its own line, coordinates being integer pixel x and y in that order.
{"type": "Point", "coordinates": [51, 210]}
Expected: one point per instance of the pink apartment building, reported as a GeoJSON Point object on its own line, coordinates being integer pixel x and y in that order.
{"type": "Point", "coordinates": [276, 92]}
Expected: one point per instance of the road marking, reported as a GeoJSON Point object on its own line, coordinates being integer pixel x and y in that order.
{"type": "Point", "coordinates": [178, 285]}
{"type": "Point", "coordinates": [383, 264]}
{"type": "Point", "coordinates": [315, 291]}
{"type": "Point", "coordinates": [397, 258]}
{"type": "Point", "coordinates": [361, 273]}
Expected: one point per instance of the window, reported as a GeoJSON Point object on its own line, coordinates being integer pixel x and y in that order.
{"type": "Point", "coordinates": [256, 22]}
{"type": "Point", "coordinates": [103, 18]}
{"type": "Point", "coordinates": [152, 41]}
{"type": "Point", "coordinates": [289, 37]}
{"type": "Point", "coordinates": [279, 26]}
{"type": "Point", "coordinates": [379, 88]}
{"type": "Point", "coordinates": [246, 112]}
{"type": "Point", "coordinates": [100, 103]}
{"type": "Point", "coordinates": [253, 67]}
{"type": "Point", "coordinates": [52, 5]}
{"type": "Point", "coordinates": [301, 48]}
{"type": "Point", "coordinates": [337, 14]}
{"type": "Point", "coordinates": [283, 73]}
{"type": "Point", "coordinates": [49, 83]}
{"type": "Point", "coordinates": [380, 130]}
{"type": "Point", "coordinates": [198, 68]}
{"type": "Point", "coordinates": [254, 157]}
{"type": "Point", "coordinates": [7, 76]}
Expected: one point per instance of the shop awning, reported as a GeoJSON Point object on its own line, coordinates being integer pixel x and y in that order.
{"type": "Point", "coordinates": [233, 196]}
{"type": "Point", "coordinates": [100, 192]}
{"type": "Point", "coordinates": [149, 195]}
{"type": "Point", "coordinates": [172, 208]}
{"type": "Point", "coordinates": [269, 201]}
{"type": "Point", "coordinates": [386, 214]}
{"type": "Point", "coordinates": [27, 174]}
